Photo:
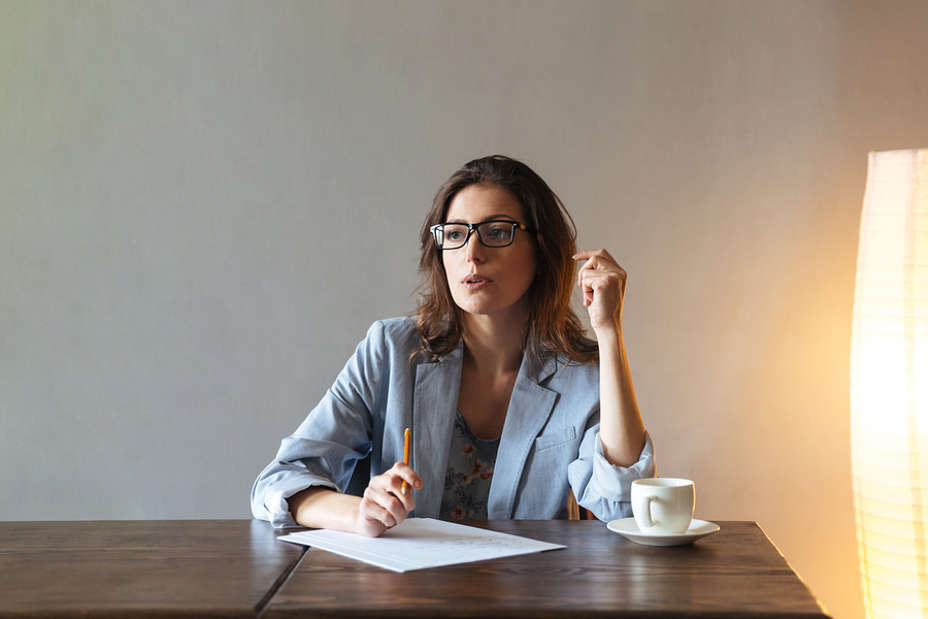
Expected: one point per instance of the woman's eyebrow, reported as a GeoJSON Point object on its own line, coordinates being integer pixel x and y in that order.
{"type": "Point", "coordinates": [489, 218]}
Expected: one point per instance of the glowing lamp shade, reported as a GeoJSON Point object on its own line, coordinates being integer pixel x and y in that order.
{"type": "Point", "coordinates": [889, 386]}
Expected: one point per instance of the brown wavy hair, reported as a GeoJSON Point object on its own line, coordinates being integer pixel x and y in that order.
{"type": "Point", "coordinates": [553, 327]}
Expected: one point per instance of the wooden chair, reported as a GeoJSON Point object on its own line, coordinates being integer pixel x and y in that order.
{"type": "Point", "coordinates": [574, 511]}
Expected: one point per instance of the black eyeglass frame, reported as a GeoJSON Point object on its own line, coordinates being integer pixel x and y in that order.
{"type": "Point", "coordinates": [438, 229]}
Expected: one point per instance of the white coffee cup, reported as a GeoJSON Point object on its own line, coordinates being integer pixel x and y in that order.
{"type": "Point", "coordinates": [663, 505]}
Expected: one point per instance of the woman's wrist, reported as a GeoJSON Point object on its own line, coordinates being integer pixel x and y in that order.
{"type": "Point", "coordinates": [611, 329]}
{"type": "Point", "coordinates": [357, 524]}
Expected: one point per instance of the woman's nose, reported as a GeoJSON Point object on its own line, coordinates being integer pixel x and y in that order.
{"type": "Point", "coordinates": [473, 248]}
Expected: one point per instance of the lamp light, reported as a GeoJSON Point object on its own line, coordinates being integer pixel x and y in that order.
{"type": "Point", "coordinates": [889, 386]}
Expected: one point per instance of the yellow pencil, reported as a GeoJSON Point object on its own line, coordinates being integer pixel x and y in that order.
{"type": "Point", "coordinates": [406, 436]}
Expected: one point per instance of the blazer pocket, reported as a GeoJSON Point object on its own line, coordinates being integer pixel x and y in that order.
{"type": "Point", "coordinates": [555, 437]}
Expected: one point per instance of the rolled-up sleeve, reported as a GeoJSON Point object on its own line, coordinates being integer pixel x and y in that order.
{"type": "Point", "coordinates": [324, 449]}
{"type": "Point", "coordinates": [602, 487]}
{"type": "Point", "coordinates": [279, 481]}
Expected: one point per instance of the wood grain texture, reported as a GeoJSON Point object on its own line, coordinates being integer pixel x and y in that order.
{"type": "Point", "coordinates": [736, 572]}
{"type": "Point", "coordinates": [225, 568]}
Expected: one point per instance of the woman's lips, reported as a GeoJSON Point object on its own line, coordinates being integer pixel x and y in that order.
{"type": "Point", "coordinates": [475, 282]}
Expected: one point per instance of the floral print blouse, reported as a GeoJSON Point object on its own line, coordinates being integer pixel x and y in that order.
{"type": "Point", "coordinates": [470, 469]}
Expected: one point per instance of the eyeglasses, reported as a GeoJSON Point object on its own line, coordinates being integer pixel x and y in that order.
{"type": "Point", "coordinates": [492, 233]}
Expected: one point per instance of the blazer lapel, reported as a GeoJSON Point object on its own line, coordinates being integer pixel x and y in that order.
{"type": "Point", "coordinates": [530, 405]}
{"type": "Point", "coordinates": [435, 401]}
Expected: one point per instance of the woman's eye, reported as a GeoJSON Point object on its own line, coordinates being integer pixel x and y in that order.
{"type": "Point", "coordinates": [499, 232]}
{"type": "Point", "coordinates": [454, 235]}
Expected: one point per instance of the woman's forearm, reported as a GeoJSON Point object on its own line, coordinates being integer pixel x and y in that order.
{"type": "Point", "coordinates": [621, 429]}
{"type": "Point", "coordinates": [324, 508]}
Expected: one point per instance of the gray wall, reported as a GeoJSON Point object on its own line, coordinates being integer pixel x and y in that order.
{"type": "Point", "coordinates": [204, 204]}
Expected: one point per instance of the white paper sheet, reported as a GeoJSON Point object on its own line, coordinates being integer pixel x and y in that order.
{"type": "Point", "coordinates": [418, 543]}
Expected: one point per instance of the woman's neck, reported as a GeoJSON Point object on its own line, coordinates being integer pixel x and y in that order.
{"type": "Point", "coordinates": [493, 344]}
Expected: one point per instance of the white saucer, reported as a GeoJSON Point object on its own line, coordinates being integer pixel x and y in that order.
{"type": "Point", "coordinates": [627, 528]}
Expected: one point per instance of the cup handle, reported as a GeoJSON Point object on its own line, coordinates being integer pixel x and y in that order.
{"type": "Point", "coordinates": [646, 514]}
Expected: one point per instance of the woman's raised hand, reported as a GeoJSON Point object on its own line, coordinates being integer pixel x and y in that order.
{"type": "Point", "coordinates": [384, 504]}
{"type": "Point", "coordinates": [603, 283]}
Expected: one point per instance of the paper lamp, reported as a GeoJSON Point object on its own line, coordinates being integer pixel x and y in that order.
{"type": "Point", "coordinates": [889, 386]}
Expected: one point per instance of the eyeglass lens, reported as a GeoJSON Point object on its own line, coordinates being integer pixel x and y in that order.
{"type": "Point", "coordinates": [491, 233]}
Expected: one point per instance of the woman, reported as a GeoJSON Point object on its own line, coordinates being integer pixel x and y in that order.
{"type": "Point", "coordinates": [510, 406]}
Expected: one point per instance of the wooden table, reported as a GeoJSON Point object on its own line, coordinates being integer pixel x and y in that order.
{"type": "Point", "coordinates": [238, 568]}
{"type": "Point", "coordinates": [226, 568]}
{"type": "Point", "coordinates": [737, 571]}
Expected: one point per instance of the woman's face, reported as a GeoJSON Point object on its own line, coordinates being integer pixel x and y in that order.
{"type": "Point", "coordinates": [489, 280]}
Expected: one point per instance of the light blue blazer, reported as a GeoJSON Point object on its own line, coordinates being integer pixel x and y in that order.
{"type": "Point", "coordinates": [550, 440]}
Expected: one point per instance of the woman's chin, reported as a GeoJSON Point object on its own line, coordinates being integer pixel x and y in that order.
{"type": "Point", "coordinates": [478, 307]}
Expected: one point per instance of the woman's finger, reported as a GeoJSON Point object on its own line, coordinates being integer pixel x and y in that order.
{"type": "Point", "coordinates": [594, 253]}
{"type": "Point", "coordinates": [602, 281]}
{"type": "Point", "coordinates": [404, 471]}
{"type": "Point", "coordinates": [616, 270]}
{"type": "Point", "coordinates": [393, 485]}
{"type": "Point", "coordinates": [601, 278]}
{"type": "Point", "coordinates": [597, 263]}
{"type": "Point", "coordinates": [406, 498]}
{"type": "Point", "coordinates": [589, 265]}
{"type": "Point", "coordinates": [587, 253]}
{"type": "Point", "coordinates": [371, 527]}
{"type": "Point", "coordinates": [372, 510]}
{"type": "Point", "coordinates": [390, 500]}
{"type": "Point", "coordinates": [596, 260]}
{"type": "Point", "coordinates": [592, 285]}
{"type": "Point", "coordinates": [392, 482]}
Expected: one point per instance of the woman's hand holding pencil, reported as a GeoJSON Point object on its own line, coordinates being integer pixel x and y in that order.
{"type": "Point", "coordinates": [387, 501]}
